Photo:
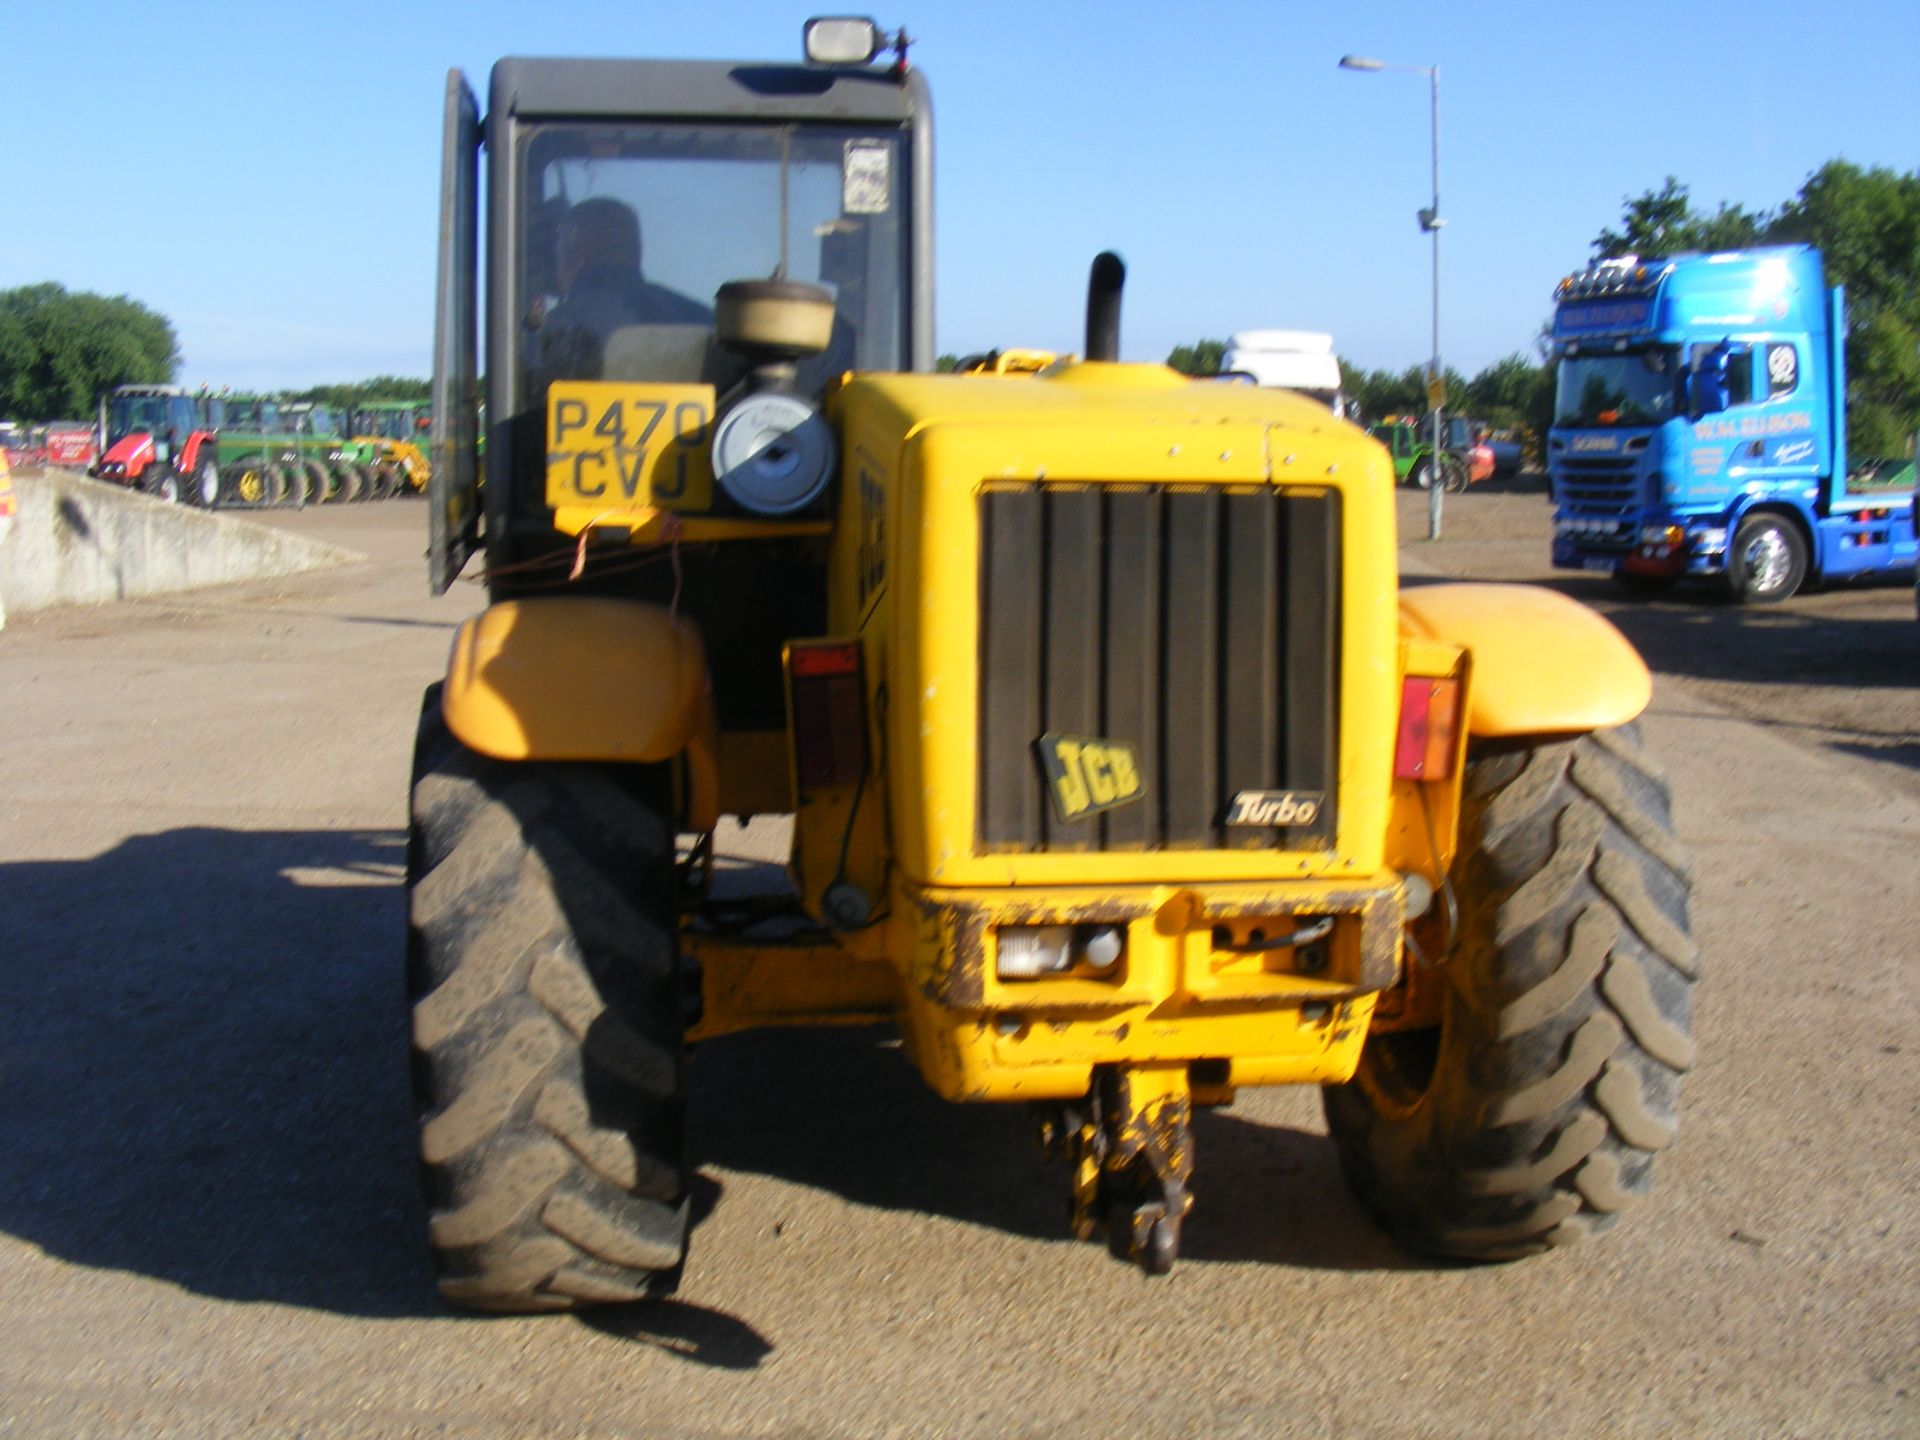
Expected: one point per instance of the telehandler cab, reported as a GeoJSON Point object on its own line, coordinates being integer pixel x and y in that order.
{"type": "Point", "coordinates": [1123, 774]}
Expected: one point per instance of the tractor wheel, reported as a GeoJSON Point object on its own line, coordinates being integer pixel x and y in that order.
{"type": "Point", "coordinates": [383, 482]}
{"type": "Point", "coordinates": [162, 482]}
{"type": "Point", "coordinates": [1767, 561]}
{"type": "Point", "coordinates": [323, 486]}
{"type": "Point", "coordinates": [1454, 474]}
{"type": "Point", "coordinates": [248, 483]}
{"type": "Point", "coordinates": [542, 970]}
{"type": "Point", "coordinates": [205, 491]}
{"type": "Point", "coordinates": [1421, 476]}
{"type": "Point", "coordinates": [366, 482]}
{"type": "Point", "coordinates": [347, 483]}
{"type": "Point", "coordinates": [1530, 1115]}
{"type": "Point", "coordinates": [285, 486]}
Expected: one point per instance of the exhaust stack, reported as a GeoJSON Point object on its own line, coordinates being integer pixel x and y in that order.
{"type": "Point", "coordinates": [1103, 306]}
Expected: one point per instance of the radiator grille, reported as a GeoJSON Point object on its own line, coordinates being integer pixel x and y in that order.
{"type": "Point", "coordinates": [1606, 486]}
{"type": "Point", "coordinates": [1198, 625]}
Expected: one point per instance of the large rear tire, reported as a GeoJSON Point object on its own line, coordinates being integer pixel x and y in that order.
{"type": "Point", "coordinates": [546, 1027]}
{"type": "Point", "coordinates": [1531, 1115]}
{"type": "Point", "coordinates": [323, 486]}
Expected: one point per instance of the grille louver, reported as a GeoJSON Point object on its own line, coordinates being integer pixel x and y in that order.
{"type": "Point", "coordinates": [1198, 625]}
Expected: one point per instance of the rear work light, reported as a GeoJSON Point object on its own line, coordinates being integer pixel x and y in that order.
{"type": "Point", "coordinates": [1429, 728]}
{"type": "Point", "coordinates": [827, 699]}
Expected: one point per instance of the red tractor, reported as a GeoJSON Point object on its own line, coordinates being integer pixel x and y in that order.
{"type": "Point", "coordinates": [159, 439]}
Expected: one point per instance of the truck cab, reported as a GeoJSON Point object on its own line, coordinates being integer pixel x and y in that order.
{"type": "Point", "coordinates": [1699, 427]}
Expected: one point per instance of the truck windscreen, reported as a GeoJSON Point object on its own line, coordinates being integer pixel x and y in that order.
{"type": "Point", "coordinates": [626, 232]}
{"type": "Point", "coordinates": [1635, 387]}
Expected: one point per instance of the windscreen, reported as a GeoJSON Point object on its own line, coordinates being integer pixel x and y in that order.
{"type": "Point", "coordinates": [626, 233]}
{"type": "Point", "coordinates": [1635, 387]}
{"type": "Point", "coordinates": [132, 414]}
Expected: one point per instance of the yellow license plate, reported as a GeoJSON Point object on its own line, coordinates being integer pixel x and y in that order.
{"type": "Point", "coordinates": [620, 447]}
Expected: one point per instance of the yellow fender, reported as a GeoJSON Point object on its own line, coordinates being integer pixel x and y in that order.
{"type": "Point", "coordinates": [575, 677]}
{"type": "Point", "coordinates": [1541, 664]}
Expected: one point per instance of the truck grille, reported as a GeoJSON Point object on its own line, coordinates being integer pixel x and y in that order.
{"type": "Point", "coordinates": [1197, 624]}
{"type": "Point", "coordinates": [1596, 486]}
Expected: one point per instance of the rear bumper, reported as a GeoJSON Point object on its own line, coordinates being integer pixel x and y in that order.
{"type": "Point", "coordinates": [1207, 976]}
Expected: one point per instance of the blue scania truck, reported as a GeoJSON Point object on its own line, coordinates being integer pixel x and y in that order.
{"type": "Point", "coordinates": [1700, 428]}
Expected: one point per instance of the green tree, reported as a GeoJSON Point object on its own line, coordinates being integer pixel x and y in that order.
{"type": "Point", "coordinates": [1380, 393]}
{"type": "Point", "coordinates": [1663, 223]}
{"type": "Point", "coordinates": [1200, 358]}
{"type": "Point", "coordinates": [1513, 391]}
{"type": "Point", "coordinates": [60, 350]}
{"type": "Point", "coordinates": [380, 387]}
{"type": "Point", "coordinates": [1866, 223]}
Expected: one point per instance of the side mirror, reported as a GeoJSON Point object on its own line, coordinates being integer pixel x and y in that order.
{"type": "Point", "coordinates": [1707, 391]}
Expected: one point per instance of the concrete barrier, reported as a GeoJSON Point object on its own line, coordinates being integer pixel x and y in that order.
{"type": "Point", "coordinates": [80, 542]}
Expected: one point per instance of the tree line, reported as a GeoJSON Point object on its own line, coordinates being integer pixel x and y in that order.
{"type": "Point", "coordinates": [59, 350]}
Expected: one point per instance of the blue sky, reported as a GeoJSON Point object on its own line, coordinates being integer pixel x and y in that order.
{"type": "Point", "coordinates": [265, 175]}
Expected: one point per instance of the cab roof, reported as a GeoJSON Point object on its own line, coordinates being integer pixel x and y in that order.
{"type": "Point", "coordinates": [703, 89]}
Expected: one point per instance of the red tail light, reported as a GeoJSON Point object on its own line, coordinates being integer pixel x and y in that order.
{"type": "Point", "coordinates": [1429, 728]}
{"type": "Point", "coordinates": [827, 700]}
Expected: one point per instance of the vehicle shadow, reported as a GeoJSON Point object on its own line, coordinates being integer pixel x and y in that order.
{"type": "Point", "coordinates": [204, 1049]}
{"type": "Point", "coordinates": [1700, 633]}
{"type": "Point", "coordinates": [203, 1042]}
{"type": "Point", "coordinates": [845, 1111]}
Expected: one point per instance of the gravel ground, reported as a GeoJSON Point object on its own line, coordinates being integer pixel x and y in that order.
{"type": "Point", "coordinates": [208, 1221]}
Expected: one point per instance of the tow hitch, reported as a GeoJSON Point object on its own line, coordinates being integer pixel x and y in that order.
{"type": "Point", "coordinates": [1130, 1146]}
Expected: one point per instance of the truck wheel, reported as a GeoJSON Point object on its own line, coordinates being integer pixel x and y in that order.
{"type": "Point", "coordinates": [1530, 1115]}
{"type": "Point", "coordinates": [1767, 560]}
{"type": "Point", "coordinates": [542, 970]}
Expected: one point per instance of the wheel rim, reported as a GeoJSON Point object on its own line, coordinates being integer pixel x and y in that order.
{"type": "Point", "coordinates": [209, 485]}
{"type": "Point", "coordinates": [1766, 561]}
{"type": "Point", "coordinates": [249, 486]}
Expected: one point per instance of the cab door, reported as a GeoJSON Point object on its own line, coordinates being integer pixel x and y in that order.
{"type": "Point", "coordinates": [453, 492]}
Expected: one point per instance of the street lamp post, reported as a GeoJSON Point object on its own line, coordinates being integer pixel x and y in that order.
{"type": "Point", "coordinates": [1430, 222]}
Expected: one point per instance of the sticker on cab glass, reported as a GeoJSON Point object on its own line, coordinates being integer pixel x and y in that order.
{"type": "Point", "coordinates": [618, 446]}
{"type": "Point", "coordinates": [866, 178]}
{"type": "Point", "coordinates": [1276, 807]}
{"type": "Point", "coordinates": [1087, 774]}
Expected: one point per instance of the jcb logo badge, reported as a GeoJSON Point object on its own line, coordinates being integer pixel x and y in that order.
{"type": "Point", "coordinates": [1276, 807]}
{"type": "Point", "coordinates": [1086, 775]}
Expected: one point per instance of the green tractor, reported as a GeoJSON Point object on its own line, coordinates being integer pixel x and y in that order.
{"type": "Point", "coordinates": [1410, 442]}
